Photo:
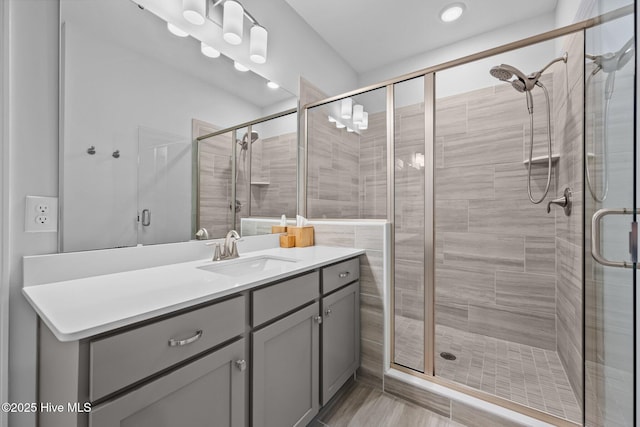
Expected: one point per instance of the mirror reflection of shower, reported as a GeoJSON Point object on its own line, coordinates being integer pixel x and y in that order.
{"type": "Point", "coordinates": [525, 84]}
{"type": "Point", "coordinates": [244, 147]}
{"type": "Point", "coordinates": [609, 63]}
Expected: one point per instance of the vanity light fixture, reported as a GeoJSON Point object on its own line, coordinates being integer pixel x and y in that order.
{"type": "Point", "coordinates": [345, 108]}
{"type": "Point", "coordinates": [238, 66]}
{"type": "Point", "coordinates": [273, 85]}
{"type": "Point", "coordinates": [258, 44]}
{"type": "Point", "coordinates": [209, 51]}
{"type": "Point", "coordinates": [331, 119]}
{"type": "Point", "coordinates": [358, 111]}
{"type": "Point", "coordinates": [364, 124]}
{"type": "Point", "coordinates": [340, 125]}
{"type": "Point", "coordinates": [176, 31]}
{"type": "Point", "coordinates": [452, 12]}
{"type": "Point", "coordinates": [232, 22]}
{"type": "Point", "coordinates": [194, 11]}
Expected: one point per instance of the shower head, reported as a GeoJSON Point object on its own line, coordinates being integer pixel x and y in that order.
{"type": "Point", "coordinates": [244, 142]}
{"type": "Point", "coordinates": [520, 81]}
{"type": "Point", "coordinates": [611, 62]}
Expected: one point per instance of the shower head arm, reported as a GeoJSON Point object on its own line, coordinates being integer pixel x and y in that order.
{"type": "Point", "coordinates": [562, 58]}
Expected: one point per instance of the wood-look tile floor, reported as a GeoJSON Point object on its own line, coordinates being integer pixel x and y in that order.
{"type": "Point", "coordinates": [360, 405]}
{"type": "Point", "coordinates": [527, 375]}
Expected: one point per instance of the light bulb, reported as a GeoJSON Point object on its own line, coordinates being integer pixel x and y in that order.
{"type": "Point", "coordinates": [208, 50]}
{"type": "Point", "coordinates": [232, 20]}
{"type": "Point", "coordinates": [238, 66]}
{"type": "Point", "coordinates": [357, 114]}
{"type": "Point", "coordinates": [258, 44]}
{"type": "Point", "coordinates": [345, 109]}
{"type": "Point", "coordinates": [194, 11]}
{"type": "Point", "coordinates": [176, 31]}
{"type": "Point", "coordinates": [365, 121]}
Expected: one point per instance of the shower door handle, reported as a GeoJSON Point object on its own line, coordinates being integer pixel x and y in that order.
{"type": "Point", "coordinates": [146, 217]}
{"type": "Point", "coordinates": [596, 252]}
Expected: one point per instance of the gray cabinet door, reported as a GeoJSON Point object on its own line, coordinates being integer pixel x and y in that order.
{"type": "Point", "coordinates": [340, 338]}
{"type": "Point", "coordinates": [285, 362]}
{"type": "Point", "coordinates": [207, 392]}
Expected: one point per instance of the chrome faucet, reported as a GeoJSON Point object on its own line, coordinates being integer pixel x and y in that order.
{"type": "Point", "coordinates": [202, 234]}
{"type": "Point", "coordinates": [230, 249]}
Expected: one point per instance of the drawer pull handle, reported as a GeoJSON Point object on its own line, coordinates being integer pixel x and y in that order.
{"type": "Point", "coordinates": [343, 275]}
{"type": "Point", "coordinates": [180, 343]}
{"type": "Point", "coordinates": [241, 364]}
{"type": "Point", "coordinates": [328, 312]}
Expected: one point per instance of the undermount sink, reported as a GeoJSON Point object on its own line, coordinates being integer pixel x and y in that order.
{"type": "Point", "coordinates": [243, 267]}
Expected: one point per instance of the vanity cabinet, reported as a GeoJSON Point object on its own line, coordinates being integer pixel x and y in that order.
{"type": "Point", "coordinates": [210, 388]}
{"type": "Point", "coordinates": [285, 358]}
{"type": "Point", "coordinates": [269, 356]}
{"type": "Point", "coordinates": [340, 338]}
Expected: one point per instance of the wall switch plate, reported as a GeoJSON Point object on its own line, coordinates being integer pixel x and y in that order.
{"type": "Point", "coordinates": [41, 214]}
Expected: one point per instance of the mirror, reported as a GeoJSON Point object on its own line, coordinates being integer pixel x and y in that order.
{"type": "Point", "coordinates": [131, 94]}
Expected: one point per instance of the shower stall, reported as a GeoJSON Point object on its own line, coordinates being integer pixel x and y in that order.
{"type": "Point", "coordinates": [498, 287]}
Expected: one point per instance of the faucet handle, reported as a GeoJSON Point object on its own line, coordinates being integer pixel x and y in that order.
{"type": "Point", "coordinates": [565, 202]}
{"type": "Point", "coordinates": [217, 255]}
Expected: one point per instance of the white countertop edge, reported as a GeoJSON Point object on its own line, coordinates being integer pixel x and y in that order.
{"type": "Point", "coordinates": [79, 334]}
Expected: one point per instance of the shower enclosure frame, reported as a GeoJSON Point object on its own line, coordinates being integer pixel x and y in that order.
{"type": "Point", "coordinates": [233, 131]}
{"type": "Point", "coordinates": [429, 75]}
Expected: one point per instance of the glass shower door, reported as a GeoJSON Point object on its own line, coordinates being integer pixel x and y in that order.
{"type": "Point", "coordinates": [610, 206]}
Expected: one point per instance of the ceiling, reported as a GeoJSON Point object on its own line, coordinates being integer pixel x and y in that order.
{"type": "Point", "coordinates": [369, 34]}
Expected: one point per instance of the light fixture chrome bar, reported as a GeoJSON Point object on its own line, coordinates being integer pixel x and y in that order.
{"type": "Point", "coordinates": [247, 15]}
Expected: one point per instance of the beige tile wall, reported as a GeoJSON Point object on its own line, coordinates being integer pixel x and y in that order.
{"type": "Point", "coordinates": [273, 176]}
{"type": "Point", "coordinates": [496, 264]}
{"type": "Point", "coordinates": [569, 112]}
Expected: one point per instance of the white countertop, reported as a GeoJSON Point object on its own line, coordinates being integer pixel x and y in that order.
{"type": "Point", "coordinates": [81, 308]}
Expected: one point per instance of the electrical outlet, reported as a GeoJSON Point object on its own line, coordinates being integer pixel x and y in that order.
{"type": "Point", "coordinates": [41, 214]}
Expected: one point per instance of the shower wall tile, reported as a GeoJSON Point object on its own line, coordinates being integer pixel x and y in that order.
{"type": "Point", "coordinates": [511, 182]}
{"type": "Point", "coordinates": [409, 275]}
{"type": "Point", "coordinates": [454, 317]}
{"type": "Point", "coordinates": [484, 251]}
{"type": "Point", "coordinates": [453, 215]}
{"type": "Point", "coordinates": [494, 145]}
{"type": "Point", "coordinates": [335, 235]}
{"type": "Point", "coordinates": [540, 254]}
{"type": "Point", "coordinates": [512, 324]}
{"type": "Point", "coordinates": [530, 293]}
{"type": "Point", "coordinates": [459, 286]}
{"type": "Point", "coordinates": [465, 183]}
{"type": "Point", "coordinates": [451, 114]}
{"type": "Point", "coordinates": [510, 217]}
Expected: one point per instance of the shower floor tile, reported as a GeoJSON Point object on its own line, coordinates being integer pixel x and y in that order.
{"type": "Point", "coordinates": [527, 375]}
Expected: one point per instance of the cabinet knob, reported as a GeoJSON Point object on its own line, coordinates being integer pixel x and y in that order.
{"type": "Point", "coordinates": [318, 319]}
{"type": "Point", "coordinates": [343, 274]}
{"type": "Point", "coordinates": [241, 364]}
{"type": "Point", "coordinates": [327, 312]}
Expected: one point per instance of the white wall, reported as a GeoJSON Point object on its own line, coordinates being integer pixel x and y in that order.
{"type": "Point", "coordinates": [4, 209]}
{"type": "Point", "coordinates": [33, 142]}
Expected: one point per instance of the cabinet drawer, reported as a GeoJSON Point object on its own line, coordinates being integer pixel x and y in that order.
{"type": "Point", "coordinates": [283, 297]}
{"type": "Point", "coordinates": [123, 359]}
{"type": "Point", "coordinates": [340, 274]}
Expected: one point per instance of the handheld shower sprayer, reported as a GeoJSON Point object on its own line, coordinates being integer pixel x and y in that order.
{"type": "Point", "coordinates": [609, 63]}
{"type": "Point", "coordinates": [525, 84]}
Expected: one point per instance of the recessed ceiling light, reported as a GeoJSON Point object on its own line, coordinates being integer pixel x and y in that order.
{"type": "Point", "coordinates": [273, 85]}
{"type": "Point", "coordinates": [238, 66]}
{"type": "Point", "coordinates": [452, 12]}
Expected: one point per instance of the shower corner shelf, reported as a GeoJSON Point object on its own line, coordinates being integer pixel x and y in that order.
{"type": "Point", "coordinates": [260, 182]}
{"type": "Point", "coordinates": [540, 160]}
